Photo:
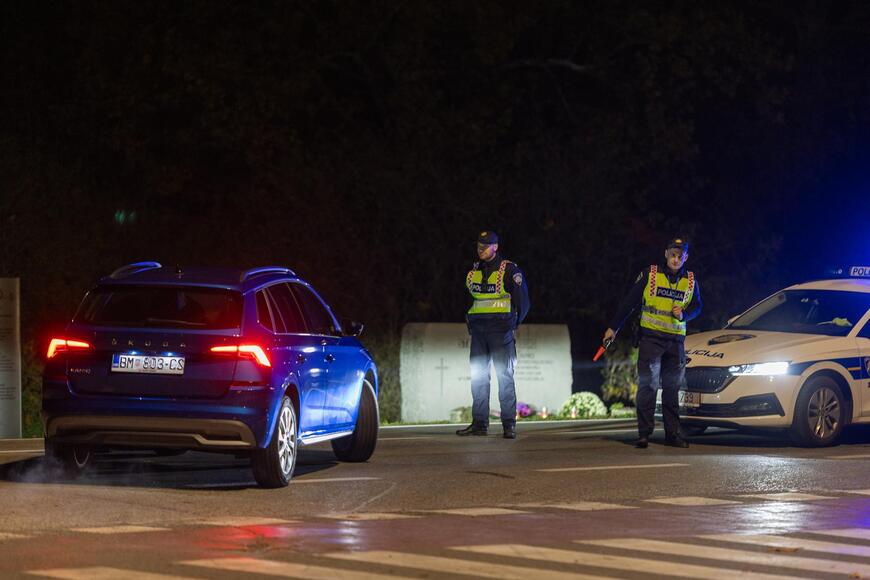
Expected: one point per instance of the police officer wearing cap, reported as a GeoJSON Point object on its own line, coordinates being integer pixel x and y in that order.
{"type": "Point", "coordinates": [668, 297]}
{"type": "Point", "coordinates": [500, 303]}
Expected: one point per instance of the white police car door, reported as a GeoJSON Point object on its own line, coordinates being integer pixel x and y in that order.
{"type": "Point", "coordinates": [863, 339]}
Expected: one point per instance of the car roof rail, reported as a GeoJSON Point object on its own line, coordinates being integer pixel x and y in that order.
{"type": "Point", "coordinates": [247, 274]}
{"type": "Point", "coordinates": [134, 268]}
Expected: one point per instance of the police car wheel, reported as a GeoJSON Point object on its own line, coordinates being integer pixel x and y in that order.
{"type": "Point", "coordinates": [360, 445]}
{"type": "Point", "coordinates": [819, 413]}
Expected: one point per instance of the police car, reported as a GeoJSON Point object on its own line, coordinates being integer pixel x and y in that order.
{"type": "Point", "coordinates": [798, 360]}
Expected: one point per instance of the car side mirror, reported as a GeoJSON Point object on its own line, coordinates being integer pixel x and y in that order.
{"type": "Point", "coordinates": [352, 327]}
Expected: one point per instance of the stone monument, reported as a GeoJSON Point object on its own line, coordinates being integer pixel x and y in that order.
{"type": "Point", "coordinates": [10, 360]}
{"type": "Point", "coordinates": [436, 375]}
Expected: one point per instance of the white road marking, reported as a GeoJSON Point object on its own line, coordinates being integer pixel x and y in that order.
{"type": "Point", "coordinates": [794, 543]}
{"type": "Point", "coordinates": [732, 556]}
{"type": "Point", "coordinates": [580, 506]}
{"type": "Point", "coordinates": [439, 565]}
{"type": "Point", "coordinates": [102, 573]}
{"type": "Point", "coordinates": [285, 569]}
{"type": "Point", "coordinates": [11, 536]}
{"type": "Point", "coordinates": [691, 500]}
{"type": "Point", "coordinates": [856, 491]}
{"type": "Point", "coordinates": [854, 533]}
{"type": "Point", "coordinates": [242, 521]}
{"type": "Point", "coordinates": [370, 516]}
{"type": "Point", "coordinates": [609, 467]}
{"type": "Point", "coordinates": [861, 456]}
{"type": "Point", "coordinates": [787, 496]}
{"type": "Point", "coordinates": [402, 438]}
{"type": "Point", "coordinates": [477, 512]}
{"type": "Point", "coordinates": [108, 530]}
{"type": "Point", "coordinates": [625, 563]}
{"type": "Point", "coordinates": [333, 480]}
{"type": "Point", "coordinates": [589, 432]}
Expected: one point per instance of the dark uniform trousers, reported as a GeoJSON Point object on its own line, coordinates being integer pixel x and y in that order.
{"type": "Point", "coordinates": [499, 349]}
{"type": "Point", "coordinates": [660, 362]}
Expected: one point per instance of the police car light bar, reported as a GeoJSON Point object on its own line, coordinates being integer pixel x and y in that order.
{"type": "Point", "coordinates": [851, 272]}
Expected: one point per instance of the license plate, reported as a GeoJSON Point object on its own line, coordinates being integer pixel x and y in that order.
{"type": "Point", "coordinates": [160, 365]}
{"type": "Point", "coordinates": [689, 399]}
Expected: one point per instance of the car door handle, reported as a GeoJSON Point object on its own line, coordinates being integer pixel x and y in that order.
{"type": "Point", "coordinates": [300, 358]}
{"type": "Point", "coordinates": [329, 358]}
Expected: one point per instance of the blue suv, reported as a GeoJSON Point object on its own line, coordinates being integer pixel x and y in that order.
{"type": "Point", "coordinates": [246, 362]}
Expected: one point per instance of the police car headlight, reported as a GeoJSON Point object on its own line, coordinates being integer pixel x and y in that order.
{"type": "Point", "coordinates": [768, 368]}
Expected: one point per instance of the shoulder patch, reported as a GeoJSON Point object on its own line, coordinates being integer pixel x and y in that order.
{"type": "Point", "coordinates": [518, 279]}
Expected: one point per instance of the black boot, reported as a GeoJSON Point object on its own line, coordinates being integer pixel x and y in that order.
{"type": "Point", "coordinates": [676, 441]}
{"type": "Point", "coordinates": [510, 430]}
{"type": "Point", "coordinates": [642, 442]}
{"type": "Point", "coordinates": [474, 429]}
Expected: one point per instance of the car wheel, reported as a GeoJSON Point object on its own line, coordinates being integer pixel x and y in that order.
{"type": "Point", "coordinates": [274, 465]}
{"type": "Point", "coordinates": [75, 459]}
{"type": "Point", "coordinates": [693, 430]}
{"type": "Point", "coordinates": [819, 413]}
{"type": "Point", "coordinates": [360, 445]}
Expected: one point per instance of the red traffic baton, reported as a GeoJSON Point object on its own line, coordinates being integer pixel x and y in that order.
{"type": "Point", "coordinates": [602, 349]}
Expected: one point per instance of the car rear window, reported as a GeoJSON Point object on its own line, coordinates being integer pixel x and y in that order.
{"type": "Point", "coordinates": [162, 307]}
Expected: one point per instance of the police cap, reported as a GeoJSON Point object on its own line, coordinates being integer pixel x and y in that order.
{"type": "Point", "coordinates": [487, 237]}
{"type": "Point", "coordinates": [679, 243]}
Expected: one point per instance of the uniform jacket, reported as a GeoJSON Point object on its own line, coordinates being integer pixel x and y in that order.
{"type": "Point", "coordinates": [633, 301]}
{"type": "Point", "coordinates": [514, 283]}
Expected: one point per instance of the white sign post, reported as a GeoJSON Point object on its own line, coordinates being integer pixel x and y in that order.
{"type": "Point", "coordinates": [10, 359]}
{"type": "Point", "coordinates": [436, 375]}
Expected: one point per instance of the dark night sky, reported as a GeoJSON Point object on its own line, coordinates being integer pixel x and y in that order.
{"type": "Point", "coordinates": [365, 143]}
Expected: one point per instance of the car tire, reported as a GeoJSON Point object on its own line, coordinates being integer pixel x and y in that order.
{"type": "Point", "coordinates": [360, 445]}
{"type": "Point", "coordinates": [820, 413]}
{"type": "Point", "coordinates": [74, 459]}
{"type": "Point", "coordinates": [693, 430]}
{"type": "Point", "coordinates": [273, 466]}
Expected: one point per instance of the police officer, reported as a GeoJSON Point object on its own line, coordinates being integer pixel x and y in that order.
{"type": "Point", "coordinates": [668, 297]}
{"type": "Point", "coordinates": [500, 303]}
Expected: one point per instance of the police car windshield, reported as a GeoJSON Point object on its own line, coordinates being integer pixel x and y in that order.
{"type": "Point", "coordinates": [827, 312]}
{"type": "Point", "coordinates": [178, 307]}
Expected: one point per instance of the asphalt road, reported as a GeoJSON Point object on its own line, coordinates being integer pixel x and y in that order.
{"type": "Point", "coordinates": [566, 500]}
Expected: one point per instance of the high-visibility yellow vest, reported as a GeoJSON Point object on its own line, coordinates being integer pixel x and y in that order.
{"type": "Point", "coordinates": [659, 298]}
{"type": "Point", "coordinates": [490, 297]}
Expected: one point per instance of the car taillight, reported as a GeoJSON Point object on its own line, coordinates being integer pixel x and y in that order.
{"type": "Point", "coordinates": [59, 345]}
{"type": "Point", "coordinates": [252, 350]}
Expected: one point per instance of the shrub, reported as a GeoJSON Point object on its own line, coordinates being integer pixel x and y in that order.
{"type": "Point", "coordinates": [620, 373]}
{"type": "Point", "coordinates": [588, 406]}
